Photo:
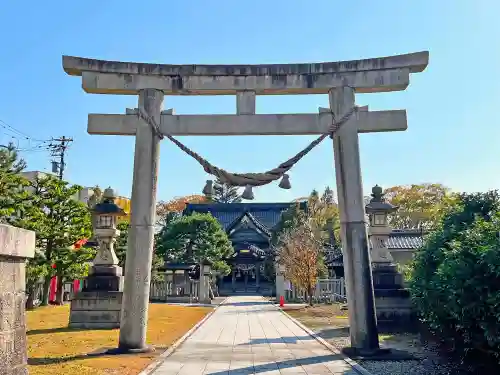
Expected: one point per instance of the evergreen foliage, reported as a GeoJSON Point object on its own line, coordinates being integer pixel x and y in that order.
{"type": "Point", "coordinates": [195, 238]}
{"type": "Point", "coordinates": [224, 193]}
{"type": "Point", "coordinates": [455, 281]}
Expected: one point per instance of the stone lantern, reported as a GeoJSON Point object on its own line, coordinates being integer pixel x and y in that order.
{"type": "Point", "coordinates": [378, 210]}
{"type": "Point", "coordinates": [391, 298]}
{"type": "Point", "coordinates": [105, 273]}
{"type": "Point", "coordinates": [99, 303]}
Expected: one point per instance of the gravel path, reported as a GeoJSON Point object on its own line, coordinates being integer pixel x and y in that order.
{"type": "Point", "coordinates": [428, 361]}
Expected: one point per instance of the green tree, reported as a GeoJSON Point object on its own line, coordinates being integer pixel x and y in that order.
{"type": "Point", "coordinates": [195, 238]}
{"type": "Point", "coordinates": [421, 206]}
{"type": "Point", "coordinates": [224, 193]}
{"type": "Point", "coordinates": [454, 281]}
{"type": "Point", "coordinates": [57, 218]}
{"type": "Point", "coordinates": [301, 236]}
{"type": "Point", "coordinates": [70, 264]}
{"type": "Point", "coordinates": [94, 199]}
{"type": "Point", "coordinates": [12, 194]}
{"type": "Point", "coordinates": [301, 254]}
{"type": "Point", "coordinates": [121, 252]}
{"type": "Point", "coordinates": [36, 269]}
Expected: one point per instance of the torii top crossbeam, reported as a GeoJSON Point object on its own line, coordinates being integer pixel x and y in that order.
{"type": "Point", "coordinates": [367, 75]}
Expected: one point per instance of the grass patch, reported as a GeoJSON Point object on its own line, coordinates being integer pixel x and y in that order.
{"type": "Point", "coordinates": [53, 348]}
{"type": "Point", "coordinates": [332, 323]}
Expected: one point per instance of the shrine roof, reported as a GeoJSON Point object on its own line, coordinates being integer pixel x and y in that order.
{"type": "Point", "coordinates": [407, 239]}
{"type": "Point", "coordinates": [267, 214]}
{"type": "Point", "coordinates": [399, 239]}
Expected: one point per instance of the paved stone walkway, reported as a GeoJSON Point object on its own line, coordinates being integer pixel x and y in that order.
{"type": "Point", "coordinates": [247, 335]}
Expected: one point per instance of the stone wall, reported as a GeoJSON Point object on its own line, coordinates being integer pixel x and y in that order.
{"type": "Point", "coordinates": [16, 245]}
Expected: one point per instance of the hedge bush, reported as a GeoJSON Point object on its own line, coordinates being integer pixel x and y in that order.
{"type": "Point", "coordinates": [455, 280]}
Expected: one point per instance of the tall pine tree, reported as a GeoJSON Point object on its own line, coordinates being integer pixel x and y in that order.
{"type": "Point", "coordinates": [12, 194]}
{"type": "Point", "coordinates": [58, 220]}
{"type": "Point", "coordinates": [224, 193]}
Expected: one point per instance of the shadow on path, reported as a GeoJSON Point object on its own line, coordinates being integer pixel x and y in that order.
{"type": "Point", "coordinates": [278, 340]}
{"type": "Point", "coordinates": [331, 333]}
{"type": "Point", "coordinates": [252, 303]}
{"type": "Point", "coordinates": [62, 330]}
{"type": "Point", "coordinates": [279, 365]}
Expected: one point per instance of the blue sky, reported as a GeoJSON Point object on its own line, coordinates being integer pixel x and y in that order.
{"type": "Point", "coordinates": [453, 135]}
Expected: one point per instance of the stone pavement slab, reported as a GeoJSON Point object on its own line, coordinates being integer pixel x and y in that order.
{"type": "Point", "coordinates": [248, 335]}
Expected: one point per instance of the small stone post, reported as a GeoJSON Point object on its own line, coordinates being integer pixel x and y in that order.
{"type": "Point", "coordinates": [392, 300]}
{"type": "Point", "coordinates": [99, 303]}
{"type": "Point", "coordinates": [135, 305]}
{"type": "Point", "coordinates": [257, 276]}
{"type": "Point", "coordinates": [204, 284]}
{"type": "Point", "coordinates": [16, 246]}
{"type": "Point", "coordinates": [233, 280]}
{"type": "Point", "coordinates": [280, 281]}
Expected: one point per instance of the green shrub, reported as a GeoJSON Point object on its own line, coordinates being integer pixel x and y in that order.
{"type": "Point", "coordinates": [455, 283]}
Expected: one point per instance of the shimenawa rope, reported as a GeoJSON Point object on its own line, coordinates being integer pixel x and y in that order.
{"type": "Point", "coordinates": [248, 179]}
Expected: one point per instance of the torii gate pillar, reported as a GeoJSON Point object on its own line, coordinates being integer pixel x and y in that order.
{"type": "Point", "coordinates": [141, 233]}
{"type": "Point", "coordinates": [353, 232]}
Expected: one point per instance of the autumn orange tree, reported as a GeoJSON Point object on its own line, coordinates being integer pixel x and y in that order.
{"type": "Point", "coordinates": [166, 210]}
{"type": "Point", "coordinates": [421, 206]}
{"type": "Point", "coordinates": [300, 252]}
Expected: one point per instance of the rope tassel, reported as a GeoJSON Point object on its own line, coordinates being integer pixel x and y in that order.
{"type": "Point", "coordinates": [208, 190]}
{"type": "Point", "coordinates": [248, 193]}
{"type": "Point", "coordinates": [285, 182]}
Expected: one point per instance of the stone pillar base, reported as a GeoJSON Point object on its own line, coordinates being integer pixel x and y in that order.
{"type": "Point", "coordinates": [392, 300]}
{"type": "Point", "coordinates": [103, 283]}
{"type": "Point", "coordinates": [16, 245]}
{"type": "Point", "coordinates": [101, 309]}
{"type": "Point", "coordinates": [394, 306]}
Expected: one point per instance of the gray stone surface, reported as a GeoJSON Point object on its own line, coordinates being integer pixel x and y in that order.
{"type": "Point", "coordinates": [357, 264]}
{"type": "Point", "coordinates": [99, 309]}
{"type": "Point", "coordinates": [259, 124]}
{"type": "Point", "coordinates": [248, 335]}
{"type": "Point", "coordinates": [367, 75]}
{"type": "Point", "coordinates": [142, 225]}
{"type": "Point", "coordinates": [16, 245]}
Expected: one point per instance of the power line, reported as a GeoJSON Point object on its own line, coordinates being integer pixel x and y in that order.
{"type": "Point", "coordinates": [58, 149]}
{"type": "Point", "coordinates": [15, 133]}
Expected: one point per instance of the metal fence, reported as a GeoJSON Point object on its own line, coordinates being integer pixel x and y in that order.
{"type": "Point", "coordinates": [325, 291]}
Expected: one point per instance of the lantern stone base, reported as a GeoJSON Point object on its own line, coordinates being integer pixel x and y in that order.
{"type": "Point", "coordinates": [392, 300]}
{"type": "Point", "coordinates": [105, 278]}
{"type": "Point", "coordinates": [98, 309]}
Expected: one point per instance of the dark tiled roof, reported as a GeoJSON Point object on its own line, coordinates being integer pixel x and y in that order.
{"type": "Point", "coordinates": [253, 219]}
{"type": "Point", "coordinates": [267, 214]}
{"type": "Point", "coordinates": [179, 266]}
{"type": "Point", "coordinates": [405, 239]}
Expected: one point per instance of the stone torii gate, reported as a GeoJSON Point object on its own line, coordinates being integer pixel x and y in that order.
{"type": "Point", "coordinates": [340, 80]}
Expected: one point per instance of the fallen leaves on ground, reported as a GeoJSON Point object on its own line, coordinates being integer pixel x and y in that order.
{"type": "Point", "coordinates": [53, 348]}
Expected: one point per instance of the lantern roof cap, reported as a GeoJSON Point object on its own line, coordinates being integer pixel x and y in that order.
{"type": "Point", "coordinates": [108, 205]}
{"type": "Point", "coordinates": [109, 193]}
{"type": "Point", "coordinates": [378, 203]}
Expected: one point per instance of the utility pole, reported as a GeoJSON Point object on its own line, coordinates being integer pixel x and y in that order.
{"type": "Point", "coordinates": [58, 149]}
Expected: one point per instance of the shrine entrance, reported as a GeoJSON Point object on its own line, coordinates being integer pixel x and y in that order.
{"type": "Point", "coordinates": [245, 278]}
{"type": "Point", "coordinates": [341, 122]}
